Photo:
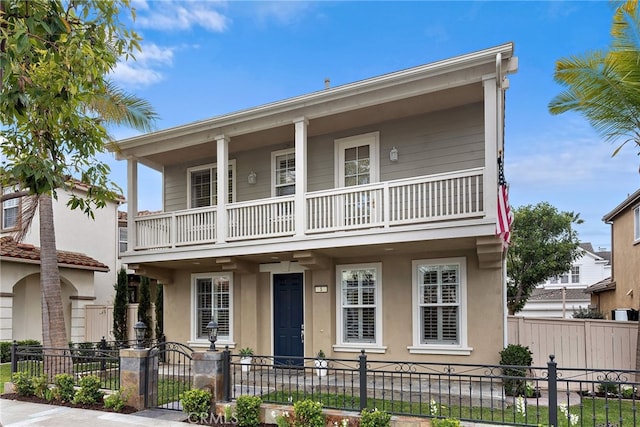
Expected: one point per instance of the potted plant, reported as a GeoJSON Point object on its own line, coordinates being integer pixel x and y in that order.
{"type": "Point", "coordinates": [321, 364]}
{"type": "Point", "coordinates": [245, 358]}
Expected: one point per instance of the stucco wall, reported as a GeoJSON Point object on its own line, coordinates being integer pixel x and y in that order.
{"type": "Point", "coordinates": [253, 313]}
{"type": "Point", "coordinates": [626, 263]}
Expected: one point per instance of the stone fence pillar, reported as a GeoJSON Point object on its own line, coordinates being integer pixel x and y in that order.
{"type": "Point", "coordinates": [207, 374]}
{"type": "Point", "coordinates": [135, 382]}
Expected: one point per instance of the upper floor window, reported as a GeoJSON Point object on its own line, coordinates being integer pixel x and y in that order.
{"type": "Point", "coordinates": [284, 169]}
{"type": "Point", "coordinates": [357, 160]}
{"type": "Point", "coordinates": [575, 274]}
{"type": "Point", "coordinates": [122, 239]}
{"type": "Point", "coordinates": [359, 306]}
{"type": "Point", "coordinates": [212, 300]}
{"type": "Point", "coordinates": [636, 223]}
{"type": "Point", "coordinates": [439, 306]}
{"type": "Point", "coordinates": [10, 210]}
{"type": "Point", "coordinates": [203, 185]}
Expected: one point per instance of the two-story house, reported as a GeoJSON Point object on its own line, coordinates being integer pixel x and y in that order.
{"type": "Point", "coordinates": [361, 216]}
{"type": "Point", "coordinates": [560, 296]}
{"type": "Point", "coordinates": [622, 291]}
{"type": "Point", "coordinates": [87, 258]}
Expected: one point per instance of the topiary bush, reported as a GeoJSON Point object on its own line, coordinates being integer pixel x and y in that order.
{"type": "Point", "coordinates": [248, 410]}
{"type": "Point", "coordinates": [518, 358]}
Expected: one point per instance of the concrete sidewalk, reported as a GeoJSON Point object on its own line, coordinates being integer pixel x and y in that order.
{"type": "Point", "coordinates": [14, 413]}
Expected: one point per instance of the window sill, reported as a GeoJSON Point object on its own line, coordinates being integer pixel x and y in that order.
{"type": "Point", "coordinates": [448, 350]}
{"type": "Point", "coordinates": [368, 348]}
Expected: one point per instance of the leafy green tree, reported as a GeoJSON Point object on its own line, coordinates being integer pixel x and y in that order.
{"type": "Point", "coordinates": [543, 244]}
{"type": "Point", "coordinates": [55, 104]}
{"type": "Point", "coordinates": [120, 307]}
{"type": "Point", "coordinates": [144, 306]}
{"type": "Point", "coordinates": [604, 86]}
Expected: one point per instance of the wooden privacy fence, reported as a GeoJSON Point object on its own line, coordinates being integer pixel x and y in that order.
{"type": "Point", "coordinates": [577, 343]}
{"type": "Point", "coordinates": [98, 321]}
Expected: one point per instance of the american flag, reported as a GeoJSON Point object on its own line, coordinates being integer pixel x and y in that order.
{"type": "Point", "coordinates": [505, 216]}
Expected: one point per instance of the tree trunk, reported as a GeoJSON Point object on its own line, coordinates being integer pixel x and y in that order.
{"type": "Point", "coordinates": [54, 332]}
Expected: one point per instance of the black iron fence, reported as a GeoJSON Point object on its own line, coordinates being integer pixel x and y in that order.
{"type": "Point", "coordinates": [506, 395]}
{"type": "Point", "coordinates": [101, 359]}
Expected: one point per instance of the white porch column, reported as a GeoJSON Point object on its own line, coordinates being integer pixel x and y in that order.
{"type": "Point", "coordinates": [301, 175]}
{"type": "Point", "coordinates": [78, 318]}
{"type": "Point", "coordinates": [6, 316]}
{"type": "Point", "coordinates": [222, 188]}
{"type": "Point", "coordinates": [491, 131]}
{"type": "Point", "coordinates": [132, 203]}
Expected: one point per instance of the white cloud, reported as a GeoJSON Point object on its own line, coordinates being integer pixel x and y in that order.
{"type": "Point", "coordinates": [183, 15]}
{"type": "Point", "coordinates": [142, 71]}
{"type": "Point", "coordinates": [284, 12]}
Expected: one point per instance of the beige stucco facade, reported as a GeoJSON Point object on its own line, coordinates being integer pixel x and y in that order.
{"type": "Point", "coordinates": [625, 258]}
{"type": "Point", "coordinates": [20, 296]}
{"type": "Point", "coordinates": [253, 309]}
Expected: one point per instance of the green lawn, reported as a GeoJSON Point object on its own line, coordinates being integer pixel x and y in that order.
{"type": "Point", "coordinates": [618, 412]}
{"type": "Point", "coordinates": [5, 374]}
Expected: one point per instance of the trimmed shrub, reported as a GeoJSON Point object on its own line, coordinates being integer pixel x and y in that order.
{"type": "Point", "coordinates": [116, 401]}
{"type": "Point", "coordinates": [64, 387]}
{"type": "Point", "coordinates": [518, 357]}
{"type": "Point", "coordinates": [40, 386]}
{"type": "Point", "coordinates": [89, 392]}
{"type": "Point", "coordinates": [248, 410]}
{"type": "Point", "coordinates": [196, 401]}
{"type": "Point", "coordinates": [5, 351]}
{"type": "Point", "coordinates": [23, 383]}
{"type": "Point", "coordinates": [308, 413]}
{"type": "Point", "coordinates": [374, 418]}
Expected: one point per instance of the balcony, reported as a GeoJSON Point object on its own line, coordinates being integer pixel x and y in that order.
{"type": "Point", "coordinates": [381, 206]}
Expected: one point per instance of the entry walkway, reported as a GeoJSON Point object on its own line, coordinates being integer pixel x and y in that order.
{"type": "Point", "coordinates": [14, 413]}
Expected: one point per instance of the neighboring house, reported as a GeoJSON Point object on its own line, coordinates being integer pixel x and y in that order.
{"type": "Point", "coordinates": [357, 217]}
{"type": "Point", "coordinates": [560, 296]}
{"type": "Point", "coordinates": [621, 293]}
{"type": "Point", "coordinates": [94, 242]}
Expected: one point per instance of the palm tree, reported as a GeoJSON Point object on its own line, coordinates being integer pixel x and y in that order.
{"type": "Point", "coordinates": [604, 86]}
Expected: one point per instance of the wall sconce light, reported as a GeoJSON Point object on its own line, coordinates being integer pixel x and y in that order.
{"type": "Point", "coordinates": [252, 178]}
{"type": "Point", "coordinates": [393, 154]}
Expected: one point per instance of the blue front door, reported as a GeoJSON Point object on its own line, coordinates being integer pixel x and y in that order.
{"type": "Point", "coordinates": [288, 319]}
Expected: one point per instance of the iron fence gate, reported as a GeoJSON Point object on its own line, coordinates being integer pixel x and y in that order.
{"type": "Point", "coordinates": [168, 375]}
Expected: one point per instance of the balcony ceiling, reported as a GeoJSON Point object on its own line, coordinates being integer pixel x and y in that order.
{"type": "Point", "coordinates": [369, 115]}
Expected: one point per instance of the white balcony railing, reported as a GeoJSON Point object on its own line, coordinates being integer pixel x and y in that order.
{"type": "Point", "coordinates": [442, 197]}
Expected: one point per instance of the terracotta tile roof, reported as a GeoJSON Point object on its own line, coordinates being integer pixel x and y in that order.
{"type": "Point", "coordinates": [22, 252]}
{"type": "Point", "coordinates": [601, 286]}
{"type": "Point", "coordinates": [540, 294]}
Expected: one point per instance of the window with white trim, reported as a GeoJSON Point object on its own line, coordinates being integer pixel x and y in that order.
{"type": "Point", "coordinates": [212, 300]}
{"type": "Point", "coordinates": [203, 185]}
{"type": "Point", "coordinates": [359, 305]}
{"type": "Point", "coordinates": [357, 160]}
{"type": "Point", "coordinates": [439, 304]}
{"type": "Point", "coordinates": [636, 223]}
{"type": "Point", "coordinates": [123, 232]}
{"type": "Point", "coordinates": [575, 274]}
{"type": "Point", "coordinates": [284, 172]}
{"type": "Point", "coordinates": [10, 209]}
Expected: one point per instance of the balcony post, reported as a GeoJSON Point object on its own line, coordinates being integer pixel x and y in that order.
{"type": "Point", "coordinates": [222, 170]}
{"type": "Point", "coordinates": [300, 203]}
{"type": "Point", "coordinates": [491, 133]}
{"type": "Point", "coordinates": [132, 203]}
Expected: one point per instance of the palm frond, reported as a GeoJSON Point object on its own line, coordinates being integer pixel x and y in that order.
{"type": "Point", "coordinates": [119, 107]}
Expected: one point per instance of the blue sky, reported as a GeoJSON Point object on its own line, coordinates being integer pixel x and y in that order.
{"type": "Point", "coordinates": [202, 59]}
